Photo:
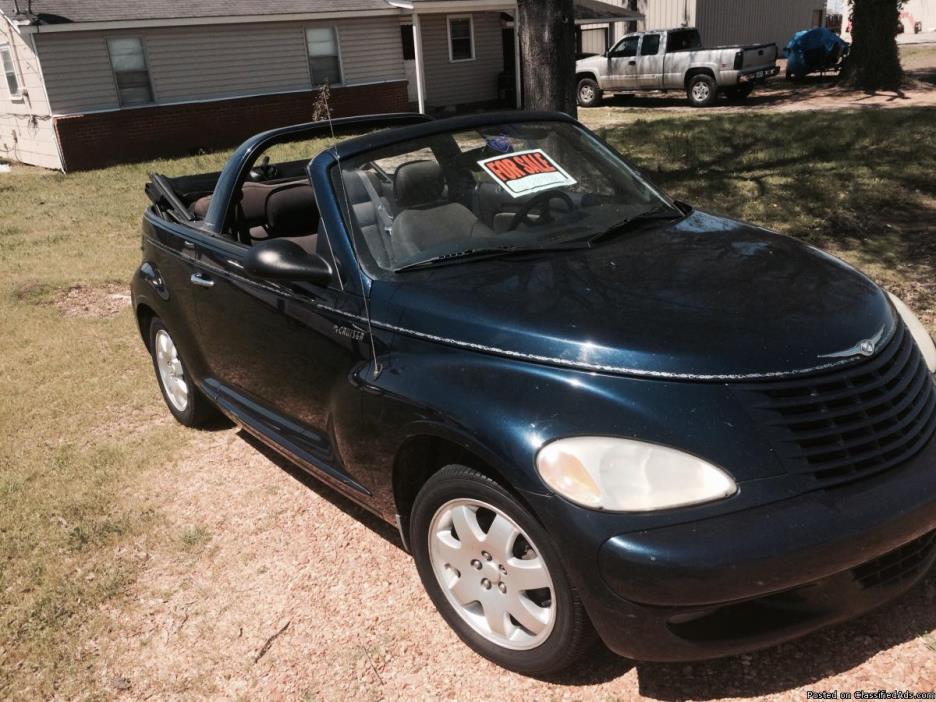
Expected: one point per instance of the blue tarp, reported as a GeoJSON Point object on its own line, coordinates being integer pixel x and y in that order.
{"type": "Point", "coordinates": [814, 50]}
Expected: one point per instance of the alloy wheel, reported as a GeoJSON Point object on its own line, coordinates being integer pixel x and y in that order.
{"type": "Point", "coordinates": [700, 92]}
{"type": "Point", "coordinates": [171, 372]}
{"type": "Point", "coordinates": [492, 574]}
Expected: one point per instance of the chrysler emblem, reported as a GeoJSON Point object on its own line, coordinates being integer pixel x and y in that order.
{"type": "Point", "coordinates": [865, 347]}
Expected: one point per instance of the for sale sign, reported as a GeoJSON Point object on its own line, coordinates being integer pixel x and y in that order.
{"type": "Point", "coordinates": [526, 172]}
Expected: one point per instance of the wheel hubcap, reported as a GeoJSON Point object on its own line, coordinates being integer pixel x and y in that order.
{"type": "Point", "coordinates": [587, 94]}
{"type": "Point", "coordinates": [492, 574]}
{"type": "Point", "coordinates": [700, 92]}
{"type": "Point", "coordinates": [170, 371]}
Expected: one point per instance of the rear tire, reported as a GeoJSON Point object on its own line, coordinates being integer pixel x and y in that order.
{"type": "Point", "coordinates": [588, 93]}
{"type": "Point", "coordinates": [476, 580]}
{"type": "Point", "coordinates": [702, 90]}
{"type": "Point", "coordinates": [187, 403]}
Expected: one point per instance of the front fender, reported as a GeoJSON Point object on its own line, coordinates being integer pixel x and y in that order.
{"type": "Point", "coordinates": [504, 410]}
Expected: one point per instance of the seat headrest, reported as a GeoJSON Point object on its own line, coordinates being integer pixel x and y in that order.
{"type": "Point", "coordinates": [418, 183]}
{"type": "Point", "coordinates": [355, 188]}
{"type": "Point", "coordinates": [291, 211]}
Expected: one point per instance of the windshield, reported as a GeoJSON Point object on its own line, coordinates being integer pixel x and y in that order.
{"type": "Point", "coordinates": [535, 186]}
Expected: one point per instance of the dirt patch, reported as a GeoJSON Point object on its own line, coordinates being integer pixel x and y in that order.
{"type": "Point", "coordinates": [266, 585]}
{"type": "Point", "coordinates": [95, 302]}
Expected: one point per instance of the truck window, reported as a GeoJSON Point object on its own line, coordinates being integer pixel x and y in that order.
{"type": "Point", "coordinates": [626, 47]}
{"type": "Point", "coordinates": [650, 45]}
{"type": "Point", "coordinates": [683, 40]}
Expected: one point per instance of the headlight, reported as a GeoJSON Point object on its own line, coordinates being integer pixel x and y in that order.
{"type": "Point", "coordinates": [918, 331]}
{"type": "Point", "coordinates": [622, 475]}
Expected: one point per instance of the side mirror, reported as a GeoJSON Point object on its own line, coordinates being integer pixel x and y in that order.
{"type": "Point", "coordinates": [281, 259]}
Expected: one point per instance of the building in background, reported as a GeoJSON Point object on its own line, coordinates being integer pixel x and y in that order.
{"type": "Point", "coordinates": [86, 84]}
{"type": "Point", "coordinates": [735, 21]}
{"type": "Point", "coordinates": [918, 16]}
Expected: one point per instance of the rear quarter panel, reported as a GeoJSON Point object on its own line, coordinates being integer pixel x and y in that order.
{"type": "Point", "coordinates": [163, 284]}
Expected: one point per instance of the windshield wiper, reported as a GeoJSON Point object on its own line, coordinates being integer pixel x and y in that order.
{"type": "Point", "coordinates": [489, 252]}
{"type": "Point", "coordinates": [661, 212]}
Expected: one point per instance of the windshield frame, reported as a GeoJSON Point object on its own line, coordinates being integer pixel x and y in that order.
{"type": "Point", "coordinates": [377, 141]}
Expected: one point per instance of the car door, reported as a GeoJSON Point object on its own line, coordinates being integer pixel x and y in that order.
{"type": "Point", "coordinates": [280, 355]}
{"type": "Point", "coordinates": [650, 63]}
{"type": "Point", "coordinates": [623, 63]}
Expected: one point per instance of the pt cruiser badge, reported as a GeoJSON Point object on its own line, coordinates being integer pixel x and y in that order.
{"type": "Point", "coordinates": [599, 414]}
{"type": "Point", "coordinates": [865, 347]}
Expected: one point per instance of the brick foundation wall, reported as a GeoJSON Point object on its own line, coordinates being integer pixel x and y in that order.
{"type": "Point", "coordinates": [106, 138]}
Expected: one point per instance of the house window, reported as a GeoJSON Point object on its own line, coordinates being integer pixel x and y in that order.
{"type": "Point", "coordinates": [131, 75]}
{"type": "Point", "coordinates": [9, 70]}
{"type": "Point", "coordinates": [461, 38]}
{"type": "Point", "coordinates": [324, 62]}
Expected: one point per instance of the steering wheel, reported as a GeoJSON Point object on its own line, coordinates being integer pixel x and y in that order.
{"type": "Point", "coordinates": [539, 202]}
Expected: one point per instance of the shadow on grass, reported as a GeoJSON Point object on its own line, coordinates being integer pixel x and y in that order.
{"type": "Point", "coordinates": [799, 663]}
{"type": "Point", "coordinates": [776, 93]}
{"type": "Point", "coordinates": [859, 183]}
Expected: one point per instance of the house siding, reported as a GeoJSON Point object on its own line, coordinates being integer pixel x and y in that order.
{"type": "Point", "coordinates": [463, 82]}
{"type": "Point", "coordinates": [97, 139]}
{"type": "Point", "coordinates": [754, 21]}
{"type": "Point", "coordinates": [26, 132]}
{"type": "Point", "coordinates": [216, 62]}
{"type": "Point", "coordinates": [922, 11]}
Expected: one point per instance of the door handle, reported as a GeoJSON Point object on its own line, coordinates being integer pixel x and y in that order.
{"type": "Point", "coordinates": [201, 281]}
{"type": "Point", "coordinates": [631, 63]}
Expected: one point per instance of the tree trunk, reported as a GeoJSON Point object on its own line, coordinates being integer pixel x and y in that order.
{"type": "Point", "coordinates": [874, 63]}
{"type": "Point", "coordinates": [547, 54]}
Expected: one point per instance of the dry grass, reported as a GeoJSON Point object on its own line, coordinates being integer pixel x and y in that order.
{"type": "Point", "coordinates": [80, 416]}
{"type": "Point", "coordinates": [82, 422]}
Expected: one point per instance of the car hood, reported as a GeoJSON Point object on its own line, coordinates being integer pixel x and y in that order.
{"type": "Point", "coordinates": [702, 298]}
{"type": "Point", "coordinates": [591, 62]}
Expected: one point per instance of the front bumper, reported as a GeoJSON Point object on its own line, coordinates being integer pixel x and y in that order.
{"type": "Point", "coordinates": [757, 577]}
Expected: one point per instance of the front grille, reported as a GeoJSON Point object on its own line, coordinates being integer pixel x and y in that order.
{"type": "Point", "coordinates": [904, 563]}
{"type": "Point", "coordinates": [851, 423]}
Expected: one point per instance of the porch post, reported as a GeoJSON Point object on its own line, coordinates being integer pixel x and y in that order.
{"type": "Point", "coordinates": [518, 84]}
{"type": "Point", "coordinates": [420, 70]}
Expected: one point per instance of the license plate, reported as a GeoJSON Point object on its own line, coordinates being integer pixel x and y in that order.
{"type": "Point", "coordinates": [759, 74]}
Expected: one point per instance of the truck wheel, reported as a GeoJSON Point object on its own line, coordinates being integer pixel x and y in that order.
{"type": "Point", "coordinates": [739, 92]}
{"type": "Point", "coordinates": [588, 93]}
{"type": "Point", "coordinates": [702, 91]}
{"type": "Point", "coordinates": [493, 573]}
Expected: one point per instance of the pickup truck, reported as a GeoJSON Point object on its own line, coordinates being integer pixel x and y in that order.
{"type": "Point", "coordinates": [674, 59]}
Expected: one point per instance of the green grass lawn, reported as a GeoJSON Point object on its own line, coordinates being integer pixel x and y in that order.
{"type": "Point", "coordinates": [81, 419]}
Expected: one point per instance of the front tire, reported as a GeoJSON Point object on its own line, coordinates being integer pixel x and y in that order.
{"type": "Point", "coordinates": [702, 91]}
{"type": "Point", "coordinates": [492, 572]}
{"type": "Point", "coordinates": [588, 93]}
{"type": "Point", "coordinates": [186, 402]}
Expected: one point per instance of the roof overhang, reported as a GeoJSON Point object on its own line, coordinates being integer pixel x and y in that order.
{"type": "Point", "coordinates": [433, 6]}
{"type": "Point", "coordinates": [28, 28]}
